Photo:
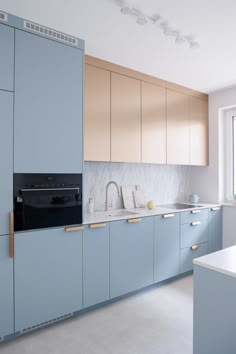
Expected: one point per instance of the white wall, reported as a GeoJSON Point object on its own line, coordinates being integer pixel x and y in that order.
{"type": "Point", "coordinates": [207, 181]}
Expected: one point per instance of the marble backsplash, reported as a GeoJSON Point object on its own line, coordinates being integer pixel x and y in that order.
{"type": "Point", "coordinates": [163, 183]}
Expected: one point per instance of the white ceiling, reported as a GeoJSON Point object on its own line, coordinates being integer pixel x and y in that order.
{"type": "Point", "coordinates": [117, 38]}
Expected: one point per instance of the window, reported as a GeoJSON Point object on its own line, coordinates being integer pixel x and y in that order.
{"type": "Point", "coordinates": [234, 153]}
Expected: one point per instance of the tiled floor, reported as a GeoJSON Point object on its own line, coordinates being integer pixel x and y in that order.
{"type": "Point", "coordinates": [157, 321]}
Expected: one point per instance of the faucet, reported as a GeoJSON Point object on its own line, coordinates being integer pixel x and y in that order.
{"type": "Point", "coordinates": [107, 187]}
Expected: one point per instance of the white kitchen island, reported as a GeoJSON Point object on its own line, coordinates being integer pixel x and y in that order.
{"type": "Point", "coordinates": [214, 327]}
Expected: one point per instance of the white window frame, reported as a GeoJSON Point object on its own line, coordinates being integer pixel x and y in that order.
{"type": "Point", "coordinates": [229, 155]}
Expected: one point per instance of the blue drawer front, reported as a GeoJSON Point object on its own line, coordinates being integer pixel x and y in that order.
{"type": "Point", "coordinates": [187, 255]}
{"type": "Point", "coordinates": [166, 247]}
{"type": "Point", "coordinates": [193, 215]}
{"type": "Point", "coordinates": [131, 256]}
{"type": "Point", "coordinates": [194, 232]}
{"type": "Point", "coordinates": [95, 265]}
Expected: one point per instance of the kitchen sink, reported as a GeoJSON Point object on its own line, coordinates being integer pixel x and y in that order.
{"type": "Point", "coordinates": [180, 206]}
{"type": "Point", "coordinates": [118, 213]}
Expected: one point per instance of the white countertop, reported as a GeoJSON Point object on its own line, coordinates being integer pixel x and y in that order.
{"type": "Point", "coordinates": [106, 216]}
{"type": "Point", "coordinates": [223, 261]}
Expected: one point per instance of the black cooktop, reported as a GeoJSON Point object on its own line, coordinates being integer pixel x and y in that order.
{"type": "Point", "coordinates": [180, 206]}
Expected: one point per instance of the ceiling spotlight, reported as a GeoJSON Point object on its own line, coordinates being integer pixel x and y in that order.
{"type": "Point", "coordinates": [194, 45]}
{"type": "Point", "coordinates": [179, 40]}
{"type": "Point", "coordinates": [126, 10]}
{"type": "Point", "coordinates": [164, 24]}
{"type": "Point", "coordinates": [142, 21]}
{"type": "Point", "coordinates": [154, 18]}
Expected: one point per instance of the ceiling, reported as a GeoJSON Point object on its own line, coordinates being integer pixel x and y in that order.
{"type": "Point", "coordinates": [117, 38]}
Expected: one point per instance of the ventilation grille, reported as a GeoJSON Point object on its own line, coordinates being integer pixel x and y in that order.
{"type": "Point", "coordinates": [29, 329]}
{"type": "Point", "coordinates": [3, 17]}
{"type": "Point", "coordinates": [50, 33]}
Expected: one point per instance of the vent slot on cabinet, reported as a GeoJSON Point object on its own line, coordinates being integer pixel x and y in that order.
{"type": "Point", "coordinates": [29, 329]}
{"type": "Point", "coordinates": [3, 16]}
{"type": "Point", "coordinates": [50, 33]}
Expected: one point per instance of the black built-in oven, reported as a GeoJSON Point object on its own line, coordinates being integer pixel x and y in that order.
{"type": "Point", "coordinates": [47, 200]}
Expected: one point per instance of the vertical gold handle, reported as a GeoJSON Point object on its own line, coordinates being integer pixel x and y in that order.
{"type": "Point", "coordinates": [12, 234]}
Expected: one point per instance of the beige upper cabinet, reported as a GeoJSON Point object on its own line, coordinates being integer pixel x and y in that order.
{"type": "Point", "coordinates": [198, 131]}
{"type": "Point", "coordinates": [97, 114]}
{"type": "Point", "coordinates": [153, 123]}
{"type": "Point", "coordinates": [177, 128]}
{"type": "Point", "coordinates": [125, 119]}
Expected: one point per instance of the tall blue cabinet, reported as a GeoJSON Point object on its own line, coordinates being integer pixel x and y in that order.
{"type": "Point", "coordinates": [6, 58]}
{"type": "Point", "coordinates": [48, 134]}
{"type": "Point", "coordinates": [6, 178]}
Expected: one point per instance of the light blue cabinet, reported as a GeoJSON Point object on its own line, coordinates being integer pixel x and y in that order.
{"type": "Point", "coordinates": [166, 246]}
{"type": "Point", "coordinates": [48, 276]}
{"type": "Point", "coordinates": [131, 255]}
{"type": "Point", "coordinates": [6, 288]}
{"type": "Point", "coordinates": [215, 229]}
{"type": "Point", "coordinates": [6, 58]}
{"type": "Point", "coordinates": [6, 159]}
{"type": "Point", "coordinates": [95, 264]}
{"type": "Point", "coordinates": [188, 254]}
{"type": "Point", "coordinates": [48, 133]}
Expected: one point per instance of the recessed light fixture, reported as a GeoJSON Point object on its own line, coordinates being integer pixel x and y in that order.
{"type": "Point", "coordinates": [142, 21]}
{"type": "Point", "coordinates": [154, 19]}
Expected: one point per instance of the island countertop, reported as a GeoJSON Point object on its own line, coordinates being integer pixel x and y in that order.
{"type": "Point", "coordinates": [223, 261]}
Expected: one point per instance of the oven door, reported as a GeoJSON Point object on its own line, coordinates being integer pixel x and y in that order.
{"type": "Point", "coordinates": [43, 208]}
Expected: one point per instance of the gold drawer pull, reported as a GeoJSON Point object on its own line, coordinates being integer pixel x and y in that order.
{"type": "Point", "coordinates": [134, 220]}
{"type": "Point", "coordinates": [168, 215]}
{"type": "Point", "coordinates": [195, 223]}
{"type": "Point", "coordinates": [96, 226]}
{"type": "Point", "coordinates": [12, 234]}
{"type": "Point", "coordinates": [195, 247]}
{"type": "Point", "coordinates": [74, 228]}
{"type": "Point", "coordinates": [195, 211]}
{"type": "Point", "coordinates": [215, 208]}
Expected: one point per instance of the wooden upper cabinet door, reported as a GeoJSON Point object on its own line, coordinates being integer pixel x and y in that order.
{"type": "Point", "coordinates": [97, 114]}
{"type": "Point", "coordinates": [125, 119]}
{"type": "Point", "coordinates": [177, 128]}
{"type": "Point", "coordinates": [153, 123]}
{"type": "Point", "coordinates": [198, 131]}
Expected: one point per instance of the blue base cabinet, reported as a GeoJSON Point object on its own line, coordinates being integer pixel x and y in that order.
{"type": "Point", "coordinates": [6, 58]}
{"type": "Point", "coordinates": [6, 159]}
{"type": "Point", "coordinates": [215, 229]}
{"type": "Point", "coordinates": [95, 264]}
{"type": "Point", "coordinates": [48, 130]}
{"type": "Point", "coordinates": [6, 288]}
{"type": "Point", "coordinates": [166, 246]}
{"type": "Point", "coordinates": [131, 255]}
{"type": "Point", "coordinates": [48, 276]}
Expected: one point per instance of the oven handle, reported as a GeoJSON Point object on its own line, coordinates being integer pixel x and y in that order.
{"type": "Point", "coordinates": [47, 189]}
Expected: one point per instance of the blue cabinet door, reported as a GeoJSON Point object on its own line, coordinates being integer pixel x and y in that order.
{"type": "Point", "coordinates": [6, 288]}
{"type": "Point", "coordinates": [6, 159]}
{"type": "Point", "coordinates": [131, 256]}
{"type": "Point", "coordinates": [95, 265]}
{"type": "Point", "coordinates": [48, 106]}
{"type": "Point", "coordinates": [48, 276]}
{"type": "Point", "coordinates": [166, 247]}
{"type": "Point", "coordinates": [215, 229]}
{"type": "Point", "coordinates": [6, 57]}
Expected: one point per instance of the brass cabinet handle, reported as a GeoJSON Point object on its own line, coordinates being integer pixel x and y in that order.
{"type": "Point", "coordinates": [195, 211]}
{"type": "Point", "coordinates": [134, 220]}
{"type": "Point", "coordinates": [168, 216]}
{"type": "Point", "coordinates": [195, 247]}
{"type": "Point", "coordinates": [195, 223]}
{"type": "Point", "coordinates": [215, 208]}
{"type": "Point", "coordinates": [12, 234]}
{"type": "Point", "coordinates": [74, 228]}
{"type": "Point", "coordinates": [96, 226]}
